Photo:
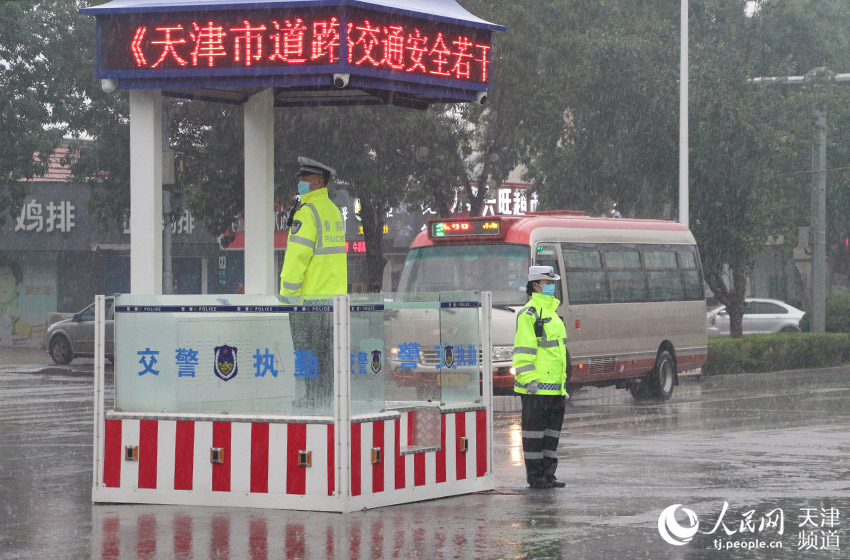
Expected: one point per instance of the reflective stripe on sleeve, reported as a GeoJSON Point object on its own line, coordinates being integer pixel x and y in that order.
{"type": "Point", "coordinates": [302, 241]}
{"type": "Point", "coordinates": [291, 286]}
{"type": "Point", "coordinates": [525, 350]}
{"type": "Point", "coordinates": [329, 250]}
{"type": "Point", "coordinates": [523, 369]}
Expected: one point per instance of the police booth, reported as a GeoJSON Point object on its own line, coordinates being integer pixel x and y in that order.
{"type": "Point", "coordinates": [255, 400]}
{"type": "Point", "coordinates": [221, 401]}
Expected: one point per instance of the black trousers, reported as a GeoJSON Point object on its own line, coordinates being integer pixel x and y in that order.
{"type": "Point", "coordinates": [542, 418]}
{"type": "Point", "coordinates": [314, 332]}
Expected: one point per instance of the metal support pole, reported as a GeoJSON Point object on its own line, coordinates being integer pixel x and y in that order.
{"type": "Point", "coordinates": [260, 276]}
{"type": "Point", "coordinates": [485, 342]}
{"type": "Point", "coordinates": [145, 191]}
{"type": "Point", "coordinates": [684, 195]}
{"type": "Point", "coordinates": [99, 368]}
{"type": "Point", "coordinates": [167, 273]}
{"type": "Point", "coordinates": [167, 207]}
{"type": "Point", "coordinates": [342, 398]}
{"type": "Point", "coordinates": [819, 225]}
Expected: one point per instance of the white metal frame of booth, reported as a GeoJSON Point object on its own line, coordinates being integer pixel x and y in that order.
{"type": "Point", "coordinates": [144, 457]}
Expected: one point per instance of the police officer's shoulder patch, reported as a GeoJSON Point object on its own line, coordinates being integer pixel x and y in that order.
{"type": "Point", "coordinates": [296, 225]}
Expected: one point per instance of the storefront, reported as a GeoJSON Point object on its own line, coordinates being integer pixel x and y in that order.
{"type": "Point", "coordinates": [56, 256]}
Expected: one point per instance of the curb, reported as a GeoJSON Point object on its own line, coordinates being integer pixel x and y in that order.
{"type": "Point", "coordinates": [50, 370]}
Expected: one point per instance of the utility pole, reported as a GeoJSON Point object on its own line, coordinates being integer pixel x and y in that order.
{"type": "Point", "coordinates": [167, 206]}
{"type": "Point", "coordinates": [818, 235]}
{"type": "Point", "coordinates": [819, 224]}
{"type": "Point", "coordinates": [684, 193]}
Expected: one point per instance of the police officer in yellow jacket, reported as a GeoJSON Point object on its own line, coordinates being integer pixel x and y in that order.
{"type": "Point", "coordinates": [540, 362]}
{"type": "Point", "coordinates": [315, 268]}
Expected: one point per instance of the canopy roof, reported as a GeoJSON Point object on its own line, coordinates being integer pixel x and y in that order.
{"type": "Point", "coordinates": [447, 10]}
{"type": "Point", "coordinates": [312, 52]}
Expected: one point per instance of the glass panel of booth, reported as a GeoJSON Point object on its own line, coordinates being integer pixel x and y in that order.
{"type": "Point", "coordinates": [242, 354]}
{"type": "Point", "coordinates": [460, 350]}
{"type": "Point", "coordinates": [233, 354]}
{"type": "Point", "coordinates": [432, 348]}
{"type": "Point", "coordinates": [367, 353]}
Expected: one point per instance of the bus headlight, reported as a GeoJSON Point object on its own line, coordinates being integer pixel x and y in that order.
{"type": "Point", "coordinates": [502, 353]}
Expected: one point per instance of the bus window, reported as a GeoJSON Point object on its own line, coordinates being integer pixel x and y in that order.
{"type": "Point", "coordinates": [547, 255]}
{"type": "Point", "coordinates": [694, 289]}
{"type": "Point", "coordinates": [665, 282]}
{"type": "Point", "coordinates": [625, 275]}
{"type": "Point", "coordinates": [586, 282]}
{"type": "Point", "coordinates": [501, 269]}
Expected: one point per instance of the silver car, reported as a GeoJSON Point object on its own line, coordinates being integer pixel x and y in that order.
{"type": "Point", "coordinates": [74, 337]}
{"type": "Point", "coordinates": [760, 316]}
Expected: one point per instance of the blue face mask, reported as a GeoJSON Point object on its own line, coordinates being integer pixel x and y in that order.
{"type": "Point", "coordinates": [547, 289]}
{"type": "Point", "coordinates": [303, 187]}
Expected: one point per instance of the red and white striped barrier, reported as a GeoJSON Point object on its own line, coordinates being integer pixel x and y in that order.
{"type": "Point", "coordinates": [146, 459]}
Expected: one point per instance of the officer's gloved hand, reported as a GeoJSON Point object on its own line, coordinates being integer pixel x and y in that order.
{"type": "Point", "coordinates": [532, 388]}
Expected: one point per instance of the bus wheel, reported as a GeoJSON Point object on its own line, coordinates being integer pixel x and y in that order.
{"type": "Point", "coordinates": [639, 391]}
{"type": "Point", "coordinates": [662, 378]}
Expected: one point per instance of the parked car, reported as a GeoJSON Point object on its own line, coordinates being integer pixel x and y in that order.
{"type": "Point", "coordinates": [760, 316]}
{"type": "Point", "coordinates": [74, 337]}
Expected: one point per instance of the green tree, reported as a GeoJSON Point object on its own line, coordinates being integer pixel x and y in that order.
{"type": "Point", "coordinates": [606, 130]}
{"type": "Point", "coordinates": [746, 140]}
{"type": "Point", "coordinates": [38, 89]}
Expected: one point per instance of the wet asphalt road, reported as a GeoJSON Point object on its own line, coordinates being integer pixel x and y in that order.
{"type": "Point", "coordinates": [766, 445]}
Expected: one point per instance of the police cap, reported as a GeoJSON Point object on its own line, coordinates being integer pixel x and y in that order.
{"type": "Point", "coordinates": [541, 273]}
{"type": "Point", "coordinates": [309, 166]}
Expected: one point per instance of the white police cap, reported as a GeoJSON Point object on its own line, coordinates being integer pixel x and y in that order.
{"type": "Point", "coordinates": [308, 165]}
{"type": "Point", "coordinates": [542, 273]}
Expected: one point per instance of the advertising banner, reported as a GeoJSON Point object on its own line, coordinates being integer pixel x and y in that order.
{"type": "Point", "coordinates": [27, 295]}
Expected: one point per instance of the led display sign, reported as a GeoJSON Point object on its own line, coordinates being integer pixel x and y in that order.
{"type": "Point", "coordinates": [471, 228]}
{"type": "Point", "coordinates": [277, 41]}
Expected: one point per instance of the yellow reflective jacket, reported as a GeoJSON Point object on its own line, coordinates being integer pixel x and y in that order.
{"type": "Point", "coordinates": [315, 261]}
{"type": "Point", "coordinates": [542, 359]}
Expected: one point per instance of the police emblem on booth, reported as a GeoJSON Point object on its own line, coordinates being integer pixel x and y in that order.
{"type": "Point", "coordinates": [449, 355]}
{"type": "Point", "coordinates": [225, 365]}
{"type": "Point", "coordinates": [376, 361]}
{"type": "Point", "coordinates": [296, 225]}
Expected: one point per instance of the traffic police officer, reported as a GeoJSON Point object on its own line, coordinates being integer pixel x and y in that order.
{"type": "Point", "coordinates": [315, 268]}
{"type": "Point", "coordinates": [540, 362]}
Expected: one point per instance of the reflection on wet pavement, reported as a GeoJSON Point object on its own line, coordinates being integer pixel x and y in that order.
{"type": "Point", "coordinates": [756, 443]}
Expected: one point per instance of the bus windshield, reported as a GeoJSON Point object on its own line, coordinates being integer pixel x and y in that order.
{"type": "Point", "coordinates": [501, 269]}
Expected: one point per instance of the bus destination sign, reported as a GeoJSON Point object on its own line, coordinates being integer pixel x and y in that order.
{"type": "Point", "coordinates": [471, 228]}
{"type": "Point", "coordinates": [277, 41]}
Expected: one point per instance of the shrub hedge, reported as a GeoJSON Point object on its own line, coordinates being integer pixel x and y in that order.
{"type": "Point", "coordinates": [836, 314]}
{"type": "Point", "coordinates": [775, 352]}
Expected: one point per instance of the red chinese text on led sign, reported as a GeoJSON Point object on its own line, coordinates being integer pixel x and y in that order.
{"type": "Point", "coordinates": [266, 40]}
{"type": "Point", "coordinates": [412, 49]}
{"type": "Point", "coordinates": [220, 43]}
